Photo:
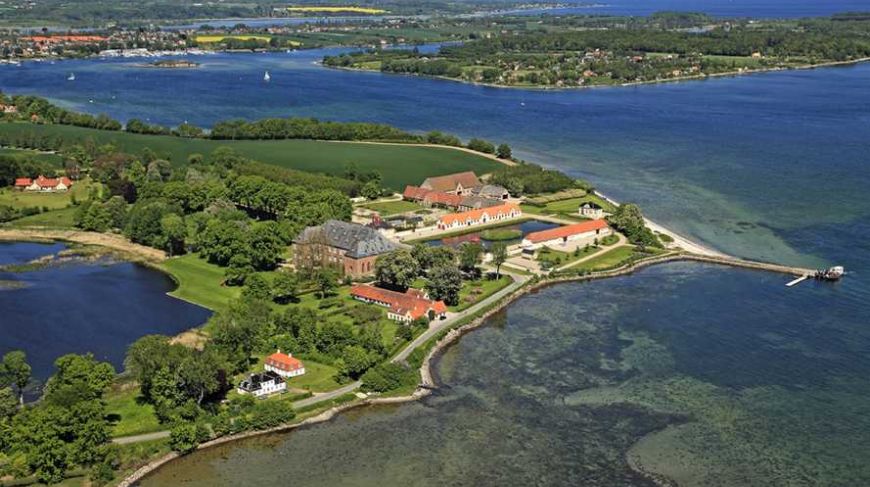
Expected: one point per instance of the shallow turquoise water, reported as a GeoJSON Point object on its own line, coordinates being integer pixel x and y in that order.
{"type": "Point", "coordinates": [559, 387]}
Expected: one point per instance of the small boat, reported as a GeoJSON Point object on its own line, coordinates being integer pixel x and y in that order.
{"type": "Point", "coordinates": [831, 274]}
{"type": "Point", "coordinates": [71, 77]}
{"type": "Point", "coordinates": [266, 77]}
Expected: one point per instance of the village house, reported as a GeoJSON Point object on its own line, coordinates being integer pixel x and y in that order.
{"type": "Point", "coordinates": [44, 184]}
{"type": "Point", "coordinates": [8, 108]}
{"type": "Point", "coordinates": [349, 247]}
{"type": "Point", "coordinates": [463, 183]}
{"type": "Point", "coordinates": [577, 234]}
{"type": "Point", "coordinates": [402, 307]}
{"type": "Point", "coordinates": [284, 364]}
{"type": "Point", "coordinates": [477, 202]}
{"type": "Point", "coordinates": [431, 198]}
{"type": "Point", "coordinates": [262, 384]}
{"type": "Point", "coordinates": [591, 210]}
{"type": "Point", "coordinates": [482, 216]}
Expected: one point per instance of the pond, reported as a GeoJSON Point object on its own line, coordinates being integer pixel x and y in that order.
{"type": "Point", "coordinates": [479, 236]}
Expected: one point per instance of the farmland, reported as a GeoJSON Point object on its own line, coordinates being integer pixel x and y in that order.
{"type": "Point", "coordinates": [398, 164]}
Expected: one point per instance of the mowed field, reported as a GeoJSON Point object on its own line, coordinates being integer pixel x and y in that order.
{"type": "Point", "coordinates": [399, 164]}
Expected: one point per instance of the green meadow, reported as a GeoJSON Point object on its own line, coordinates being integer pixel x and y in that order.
{"type": "Point", "coordinates": [399, 164]}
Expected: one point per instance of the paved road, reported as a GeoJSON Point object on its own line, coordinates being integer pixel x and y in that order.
{"type": "Point", "coordinates": [438, 326]}
{"type": "Point", "coordinates": [435, 328]}
{"type": "Point", "coordinates": [139, 438]}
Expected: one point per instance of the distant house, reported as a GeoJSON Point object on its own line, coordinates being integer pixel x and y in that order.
{"type": "Point", "coordinates": [463, 183]}
{"type": "Point", "coordinates": [591, 210]}
{"type": "Point", "coordinates": [403, 307]}
{"type": "Point", "coordinates": [349, 247]}
{"type": "Point", "coordinates": [482, 216]}
{"type": "Point", "coordinates": [44, 184]}
{"type": "Point", "coordinates": [262, 384]}
{"type": "Point", "coordinates": [8, 108]}
{"type": "Point", "coordinates": [284, 364]}
{"type": "Point", "coordinates": [578, 233]}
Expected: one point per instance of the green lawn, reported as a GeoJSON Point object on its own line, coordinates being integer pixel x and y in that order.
{"type": "Point", "coordinates": [317, 378]}
{"type": "Point", "coordinates": [473, 292]}
{"type": "Point", "coordinates": [130, 416]}
{"type": "Point", "coordinates": [398, 164]}
{"type": "Point", "coordinates": [607, 260]}
{"type": "Point", "coordinates": [53, 201]}
{"type": "Point", "coordinates": [387, 208]}
{"type": "Point", "coordinates": [200, 282]}
{"type": "Point", "coordinates": [569, 207]}
{"type": "Point", "coordinates": [557, 258]}
{"type": "Point", "coordinates": [62, 218]}
{"type": "Point", "coordinates": [32, 154]}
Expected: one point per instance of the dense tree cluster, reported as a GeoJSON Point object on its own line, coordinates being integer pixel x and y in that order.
{"type": "Point", "coordinates": [628, 219]}
{"type": "Point", "coordinates": [524, 179]}
{"type": "Point", "coordinates": [308, 128]}
{"type": "Point", "coordinates": [67, 429]}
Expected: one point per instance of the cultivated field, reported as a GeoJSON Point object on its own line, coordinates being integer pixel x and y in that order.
{"type": "Point", "coordinates": [399, 164]}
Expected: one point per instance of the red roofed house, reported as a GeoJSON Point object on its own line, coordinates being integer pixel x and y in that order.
{"type": "Point", "coordinates": [44, 184]}
{"type": "Point", "coordinates": [463, 183]}
{"type": "Point", "coordinates": [284, 364]}
{"type": "Point", "coordinates": [404, 307]}
{"type": "Point", "coordinates": [481, 216]}
{"type": "Point", "coordinates": [580, 233]}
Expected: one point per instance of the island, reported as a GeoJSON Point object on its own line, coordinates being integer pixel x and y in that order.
{"type": "Point", "coordinates": [173, 64]}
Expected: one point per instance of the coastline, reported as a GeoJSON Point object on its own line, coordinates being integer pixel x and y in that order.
{"type": "Point", "coordinates": [697, 77]}
{"type": "Point", "coordinates": [450, 336]}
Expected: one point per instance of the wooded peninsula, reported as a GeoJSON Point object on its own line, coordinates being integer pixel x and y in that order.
{"type": "Point", "coordinates": [595, 51]}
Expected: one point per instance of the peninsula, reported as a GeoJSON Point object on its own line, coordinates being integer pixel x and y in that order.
{"type": "Point", "coordinates": [603, 51]}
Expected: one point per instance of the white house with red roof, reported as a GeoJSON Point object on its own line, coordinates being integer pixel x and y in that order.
{"type": "Point", "coordinates": [44, 184]}
{"type": "Point", "coordinates": [403, 307]}
{"type": "Point", "coordinates": [577, 234]}
{"type": "Point", "coordinates": [284, 364]}
{"type": "Point", "coordinates": [480, 216]}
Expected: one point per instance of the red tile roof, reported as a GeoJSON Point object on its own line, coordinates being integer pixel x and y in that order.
{"type": "Point", "coordinates": [475, 215]}
{"type": "Point", "coordinates": [566, 231]}
{"type": "Point", "coordinates": [23, 182]}
{"type": "Point", "coordinates": [283, 361]}
{"type": "Point", "coordinates": [431, 197]}
{"type": "Point", "coordinates": [449, 182]}
{"type": "Point", "coordinates": [411, 302]}
{"type": "Point", "coordinates": [44, 182]}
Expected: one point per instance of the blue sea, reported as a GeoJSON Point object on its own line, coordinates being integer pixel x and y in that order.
{"type": "Point", "coordinates": [700, 374]}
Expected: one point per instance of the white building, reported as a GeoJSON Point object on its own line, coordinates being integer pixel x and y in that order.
{"type": "Point", "coordinates": [576, 234]}
{"type": "Point", "coordinates": [591, 210]}
{"type": "Point", "coordinates": [262, 384]}
{"type": "Point", "coordinates": [284, 364]}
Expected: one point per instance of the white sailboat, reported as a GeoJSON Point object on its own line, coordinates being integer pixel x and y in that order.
{"type": "Point", "coordinates": [71, 77]}
{"type": "Point", "coordinates": [266, 77]}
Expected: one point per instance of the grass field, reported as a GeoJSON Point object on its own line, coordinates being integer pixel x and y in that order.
{"type": "Point", "coordinates": [474, 291]}
{"type": "Point", "coordinates": [129, 415]}
{"type": "Point", "coordinates": [608, 259]}
{"type": "Point", "coordinates": [41, 156]}
{"type": "Point", "coordinates": [556, 258]}
{"type": "Point", "coordinates": [388, 208]}
{"type": "Point", "coordinates": [52, 201]}
{"type": "Point", "coordinates": [62, 218]}
{"type": "Point", "coordinates": [398, 164]}
{"type": "Point", "coordinates": [200, 282]}
{"type": "Point", "coordinates": [568, 207]}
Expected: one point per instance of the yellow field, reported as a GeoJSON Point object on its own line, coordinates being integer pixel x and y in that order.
{"type": "Point", "coordinates": [218, 38]}
{"type": "Point", "coordinates": [324, 9]}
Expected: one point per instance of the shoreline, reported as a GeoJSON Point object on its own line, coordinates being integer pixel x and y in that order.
{"type": "Point", "coordinates": [697, 77]}
{"type": "Point", "coordinates": [449, 337]}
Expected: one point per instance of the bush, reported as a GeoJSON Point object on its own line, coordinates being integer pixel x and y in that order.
{"type": "Point", "coordinates": [183, 437]}
{"type": "Point", "coordinates": [269, 414]}
{"type": "Point", "coordinates": [387, 377]}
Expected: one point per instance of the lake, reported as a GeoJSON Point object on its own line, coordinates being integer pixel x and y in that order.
{"type": "Point", "coordinates": [79, 308]}
{"type": "Point", "coordinates": [740, 380]}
